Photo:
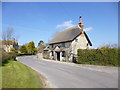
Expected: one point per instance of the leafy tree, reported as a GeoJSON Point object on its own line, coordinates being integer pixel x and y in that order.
{"type": "Point", "coordinates": [23, 49]}
{"type": "Point", "coordinates": [41, 46]}
{"type": "Point", "coordinates": [31, 48]}
{"type": "Point", "coordinates": [104, 47]}
{"type": "Point", "coordinates": [41, 42]}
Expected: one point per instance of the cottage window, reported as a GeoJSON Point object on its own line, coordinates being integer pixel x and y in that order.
{"type": "Point", "coordinates": [63, 54]}
{"type": "Point", "coordinates": [52, 45]}
{"type": "Point", "coordinates": [87, 44]}
{"type": "Point", "coordinates": [63, 44]}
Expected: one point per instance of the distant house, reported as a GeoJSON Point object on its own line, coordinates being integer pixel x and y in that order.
{"type": "Point", "coordinates": [9, 45]}
{"type": "Point", "coordinates": [65, 44]}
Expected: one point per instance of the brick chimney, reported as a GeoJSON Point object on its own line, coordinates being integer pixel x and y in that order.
{"type": "Point", "coordinates": [81, 25]}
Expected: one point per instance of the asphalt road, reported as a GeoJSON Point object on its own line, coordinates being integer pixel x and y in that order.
{"type": "Point", "coordinates": [67, 76]}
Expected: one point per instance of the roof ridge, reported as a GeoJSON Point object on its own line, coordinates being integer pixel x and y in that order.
{"type": "Point", "coordinates": [70, 28]}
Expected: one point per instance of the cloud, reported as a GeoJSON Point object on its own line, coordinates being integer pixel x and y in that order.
{"type": "Point", "coordinates": [88, 29]}
{"type": "Point", "coordinates": [66, 24]}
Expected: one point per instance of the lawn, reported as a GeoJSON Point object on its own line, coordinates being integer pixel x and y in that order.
{"type": "Point", "coordinates": [17, 75]}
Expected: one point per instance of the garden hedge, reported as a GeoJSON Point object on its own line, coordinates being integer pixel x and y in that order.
{"type": "Point", "coordinates": [107, 56]}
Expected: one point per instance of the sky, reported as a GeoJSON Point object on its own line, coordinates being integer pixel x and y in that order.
{"type": "Point", "coordinates": [35, 21]}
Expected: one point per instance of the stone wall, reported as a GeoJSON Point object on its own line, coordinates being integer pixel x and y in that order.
{"type": "Point", "coordinates": [40, 55]}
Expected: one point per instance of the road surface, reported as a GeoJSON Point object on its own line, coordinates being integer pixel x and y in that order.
{"type": "Point", "coordinates": [62, 75]}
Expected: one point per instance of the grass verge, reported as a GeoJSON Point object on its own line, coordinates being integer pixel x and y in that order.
{"type": "Point", "coordinates": [17, 75]}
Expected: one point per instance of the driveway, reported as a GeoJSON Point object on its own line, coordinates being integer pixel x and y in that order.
{"type": "Point", "coordinates": [62, 75]}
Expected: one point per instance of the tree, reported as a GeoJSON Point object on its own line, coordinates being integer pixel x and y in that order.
{"type": "Point", "coordinates": [23, 49]}
{"type": "Point", "coordinates": [40, 48]}
{"type": "Point", "coordinates": [31, 48]}
{"type": "Point", "coordinates": [8, 34]}
{"type": "Point", "coordinates": [41, 42]}
{"type": "Point", "coordinates": [106, 46]}
{"type": "Point", "coordinates": [8, 38]}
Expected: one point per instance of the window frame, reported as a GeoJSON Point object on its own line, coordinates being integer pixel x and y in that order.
{"type": "Point", "coordinates": [63, 54]}
{"type": "Point", "coordinates": [52, 45]}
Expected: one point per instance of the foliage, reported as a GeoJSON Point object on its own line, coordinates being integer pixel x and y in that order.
{"type": "Point", "coordinates": [104, 56]}
{"type": "Point", "coordinates": [109, 46]}
{"type": "Point", "coordinates": [31, 45]}
{"type": "Point", "coordinates": [31, 48]}
{"type": "Point", "coordinates": [104, 47]}
{"type": "Point", "coordinates": [23, 49]}
{"type": "Point", "coordinates": [41, 42]}
{"type": "Point", "coordinates": [13, 55]}
{"type": "Point", "coordinates": [12, 49]}
{"type": "Point", "coordinates": [17, 75]}
{"type": "Point", "coordinates": [20, 55]}
{"type": "Point", "coordinates": [8, 56]}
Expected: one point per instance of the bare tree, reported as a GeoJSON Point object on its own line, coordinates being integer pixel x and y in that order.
{"type": "Point", "coordinates": [4, 36]}
{"type": "Point", "coordinates": [8, 34]}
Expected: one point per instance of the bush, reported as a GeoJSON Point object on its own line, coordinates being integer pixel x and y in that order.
{"type": "Point", "coordinates": [8, 56]}
{"type": "Point", "coordinates": [106, 56]}
{"type": "Point", "coordinates": [23, 49]}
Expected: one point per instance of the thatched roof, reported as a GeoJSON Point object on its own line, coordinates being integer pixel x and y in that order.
{"type": "Point", "coordinates": [67, 35]}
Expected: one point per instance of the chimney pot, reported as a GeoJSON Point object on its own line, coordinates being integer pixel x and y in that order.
{"type": "Point", "coordinates": [81, 23]}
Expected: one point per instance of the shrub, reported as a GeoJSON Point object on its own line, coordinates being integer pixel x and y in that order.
{"type": "Point", "coordinates": [106, 56]}
{"type": "Point", "coordinates": [23, 49]}
{"type": "Point", "coordinates": [12, 49]}
{"type": "Point", "coordinates": [8, 56]}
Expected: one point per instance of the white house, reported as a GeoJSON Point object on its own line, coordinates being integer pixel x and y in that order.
{"type": "Point", "coordinates": [65, 43]}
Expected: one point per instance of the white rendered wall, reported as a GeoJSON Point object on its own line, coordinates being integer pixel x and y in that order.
{"type": "Point", "coordinates": [80, 44]}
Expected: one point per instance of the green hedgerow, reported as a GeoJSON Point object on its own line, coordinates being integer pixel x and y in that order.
{"type": "Point", "coordinates": [106, 56]}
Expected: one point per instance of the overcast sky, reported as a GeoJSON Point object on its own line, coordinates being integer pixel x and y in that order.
{"type": "Point", "coordinates": [35, 21]}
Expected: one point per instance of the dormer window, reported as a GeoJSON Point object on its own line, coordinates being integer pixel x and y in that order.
{"type": "Point", "coordinates": [63, 44]}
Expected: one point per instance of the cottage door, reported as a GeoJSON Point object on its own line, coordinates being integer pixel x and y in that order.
{"type": "Point", "coordinates": [58, 56]}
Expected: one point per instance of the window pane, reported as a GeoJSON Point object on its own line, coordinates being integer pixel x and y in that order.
{"type": "Point", "coordinates": [63, 44]}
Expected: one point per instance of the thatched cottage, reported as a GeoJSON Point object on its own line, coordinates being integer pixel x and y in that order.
{"type": "Point", "coordinates": [65, 43]}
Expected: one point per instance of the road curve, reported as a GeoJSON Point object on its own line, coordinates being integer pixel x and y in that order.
{"type": "Point", "coordinates": [66, 76]}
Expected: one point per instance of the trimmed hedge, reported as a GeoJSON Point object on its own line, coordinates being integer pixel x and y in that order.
{"type": "Point", "coordinates": [98, 56]}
